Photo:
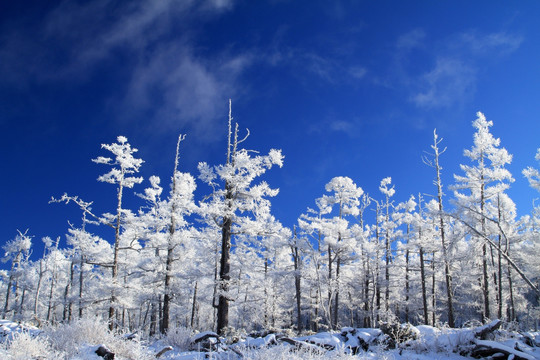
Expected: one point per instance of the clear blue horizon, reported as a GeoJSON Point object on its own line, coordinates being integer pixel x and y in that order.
{"type": "Point", "coordinates": [344, 88]}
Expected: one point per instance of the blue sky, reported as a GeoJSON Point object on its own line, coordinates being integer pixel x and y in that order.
{"type": "Point", "coordinates": [344, 88]}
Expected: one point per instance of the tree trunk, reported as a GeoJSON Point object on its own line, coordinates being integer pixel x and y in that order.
{"type": "Point", "coordinates": [442, 228]}
{"type": "Point", "coordinates": [330, 286]}
{"type": "Point", "coordinates": [485, 284]}
{"type": "Point", "coordinates": [67, 303]}
{"type": "Point", "coordinates": [167, 292]}
{"type": "Point", "coordinates": [194, 307]}
{"type": "Point", "coordinates": [170, 246]}
{"type": "Point", "coordinates": [367, 317]}
{"type": "Point", "coordinates": [377, 282]}
{"type": "Point", "coordinates": [81, 283]}
{"type": "Point", "coordinates": [224, 272]}
{"type": "Point", "coordinates": [407, 286]}
{"type": "Point", "coordinates": [424, 290]}
{"type": "Point", "coordinates": [297, 283]}
{"type": "Point", "coordinates": [433, 297]}
{"type": "Point", "coordinates": [14, 265]}
{"type": "Point", "coordinates": [20, 308]}
{"type": "Point", "coordinates": [336, 299]}
{"type": "Point", "coordinates": [499, 259]}
{"type": "Point", "coordinates": [38, 288]}
{"type": "Point", "coordinates": [115, 255]}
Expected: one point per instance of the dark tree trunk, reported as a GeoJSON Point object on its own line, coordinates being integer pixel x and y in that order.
{"type": "Point", "coordinates": [367, 317]}
{"type": "Point", "coordinates": [330, 305]}
{"type": "Point", "coordinates": [67, 303]}
{"type": "Point", "coordinates": [167, 291]}
{"type": "Point", "coordinates": [433, 297]}
{"type": "Point", "coordinates": [336, 299]}
{"type": "Point", "coordinates": [14, 265]}
{"type": "Point", "coordinates": [407, 286]}
{"type": "Point", "coordinates": [485, 284]}
{"type": "Point", "coordinates": [194, 306]}
{"type": "Point", "coordinates": [224, 273]}
{"type": "Point", "coordinates": [297, 283]}
{"type": "Point", "coordinates": [424, 290]}
{"type": "Point", "coordinates": [81, 282]}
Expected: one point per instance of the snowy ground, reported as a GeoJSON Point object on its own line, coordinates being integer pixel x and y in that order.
{"type": "Point", "coordinates": [81, 339]}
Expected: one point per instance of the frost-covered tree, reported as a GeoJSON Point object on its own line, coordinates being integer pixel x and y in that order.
{"type": "Point", "coordinates": [432, 160]}
{"type": "Point", "coordinates": [532, 174]}
{"type": "Point", "coordinates": [236, 203]}
{"type": "Point", "coordinates": [298, 250]}
{"type": "Point", "coordinates": [169, 228]}
{"type": "Point", "coordinates": [388, 227]}
{"type": "Point", "coordinates": [124, 166]}
{"type": "Point", "coordinates": [17, 251]}
{"type": "Point", "coordinates": [482, 182]}
{"type": "Point", "coordinates": [344, 198]}
{"type": "Point", "coordinates": [311, 224]}
{"type": "Point", "coordinates": [404, 215]}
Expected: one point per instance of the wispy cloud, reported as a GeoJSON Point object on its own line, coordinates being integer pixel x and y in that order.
{"type": "Point", "coordinates": [180, 89]}
{"type": "Point", "coordinates": [451, 81]}
{"type": "Point", "coordinates": [308, 62]}
{"type": "Point", "coordinates": [500, 43]}
{"type": "Point", "coordinates": [411, 39]}
{"type": "Point", "coordinates": [457, 62]}
{"type": "Point", "coordinates": [168, 79]}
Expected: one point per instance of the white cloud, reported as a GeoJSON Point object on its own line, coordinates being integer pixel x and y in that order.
{"type": "Point", "coordinates": [357, 72]}
{"type": "Point", "coordinates": [180, 89]}
{"type": "Point", "coordinates": [458, 61]}
{"type": "Point", "coordinates": [330, 69]}
{"type": "Point", "coordinates": [341, 125]}
{"type": "Point", "coordinates": [167, 79]}
{"type": "Point", "coordinates": [451, 81]}
{"type": "Point", "coordinates": [491, 44]}
{"type": "Point", "coordinates": [411, 40]}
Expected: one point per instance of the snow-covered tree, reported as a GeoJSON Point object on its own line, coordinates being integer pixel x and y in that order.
{"type": "Point", "coordinates": [17, 251]}
{"type": "Point", "coordinates": [532, 174]}
{"type": "Point", "coordinates": [124, 166]}
{"type": "Point", "coordinates": [433, 161]}
{"type": "Point", "coordinates": [482, 182]}
{"type": "Point", "coordinates": [345, 198]}
{"type": "Point", "coordinates": [236, 203]}
{"type": "Point", "coordinates": [169, 227]}
{"type": "Point", "coordinates": [387, 227]}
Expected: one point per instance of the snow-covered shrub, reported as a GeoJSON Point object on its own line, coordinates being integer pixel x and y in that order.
{"type": "Point", "coordinates": [445, 340]}
{"type": "Point", "coordinates": [399, 333]}
{"type": "Point", "coordinates": [130, 349]}
{"type": "Point", "coordinates": [88, 333]}
{"type": "Point", "coordinates": [24, 346]}
{"type": "Point", "coordinates": [179, 337]}
{"type": "Point", "coordinates": [9, 328]}
{"type": "Point", "coordinates": [287, 353]}
{"type": "Point", "coordinates": [81, 331]}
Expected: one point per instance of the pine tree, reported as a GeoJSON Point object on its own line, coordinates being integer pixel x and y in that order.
{"type": "Point", "coordinates": [236, 204]}
{"type": "Point", "coordinates": [434, 163]}
{"type": "Point", "coordinates": [124, 165]}
{"type": "Point", "coordinates": [482, 181]}
{"type": "Point", "coordinates": [18, 251]}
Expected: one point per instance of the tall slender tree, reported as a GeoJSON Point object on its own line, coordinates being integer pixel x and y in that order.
{"type": "Point", "coordinates": [345, 196]}
{"type": "Point", "coordinates": [235, 203]}
{"type": "Point", "coordinates": [124, 165]}
{"type": "Point", "coordinates": [387, 226]}
{"type": "Point", "coordinates": [482, 181]}
{"type": "Point", "coordinates": [18, 251]}
{"type": "Point", "coordinates": [433, 161]}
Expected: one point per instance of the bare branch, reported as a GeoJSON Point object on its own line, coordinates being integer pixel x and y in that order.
{"type": "Point", "coordinates": [504, 254]}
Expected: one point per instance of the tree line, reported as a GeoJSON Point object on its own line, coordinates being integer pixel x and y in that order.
{"type": "Point", "coordinates": [224, 262]}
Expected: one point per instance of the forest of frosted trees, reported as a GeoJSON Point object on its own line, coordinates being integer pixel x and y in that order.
{"type": "Point", "coordinates": [224, 262]}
